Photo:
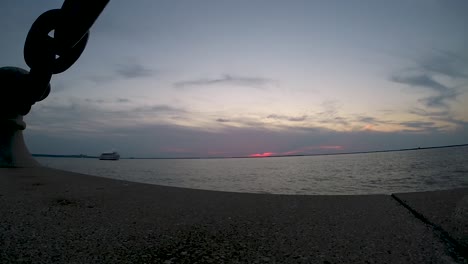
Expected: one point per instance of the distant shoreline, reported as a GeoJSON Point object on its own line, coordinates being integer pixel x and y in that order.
{"type": "Point", "coordinates": [242, 157]}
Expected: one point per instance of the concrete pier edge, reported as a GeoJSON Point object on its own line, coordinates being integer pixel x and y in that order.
{"type": "Point", "coordinates": [456, 250]}
{"type": "Point", "coordinates": [48, 215]}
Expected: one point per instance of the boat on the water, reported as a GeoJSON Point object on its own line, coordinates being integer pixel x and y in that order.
{"type": "Point", "coordinates": [109, 156]}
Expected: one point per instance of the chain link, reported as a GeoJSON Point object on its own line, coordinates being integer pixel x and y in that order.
{"type": "Point", "coordinates": [78, 18]}
{"type": "Point", "coordinates": [48, 54]}
{"type": "Point", "coordinates": [42, 50]}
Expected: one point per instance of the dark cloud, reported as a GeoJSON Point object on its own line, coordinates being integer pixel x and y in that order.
{"type": "Point", "coordinates": [368, 119]}
{"type": "Point", "coordinates": [444, 94]}
{"type": "Point", "coordinates": [256, 82]}
{"type": "Point", "coordinates": [446, 63]}
{"type": "Point", "coordinates": [129, 70]}
{"type": "Point", "coordinates": [159, 109]}
{"type": "Point", "coordinates": [451, 119]}
{"type": "Point", "coordinates": [444, 116]}
{"type": "Point", "coordinates": [247, 122]}
{"type": "Point", "coordinates": [334, 120]}
{"type": "Point", "coordinates": [422, 80]}
{"type": "Point", "coordinates": [123, 100]}
{"type": "Point", "coordinates": [91, 100]}
{"type": "Point", "coordinates": [100, 79]}
{"type": "Point", "coordinates": [418, 124]}
{"type": "Point", "coordinates": [441, 100]}
{"type": "Point", "coordinates": [91, 117]}
{"type": "Point", "coordinates": [133, 70]}
{"type": "Point", "coordinates": [288, 118]}
{"type": "Point", "coordinates": [443, 63]}
{"type": "Point", "coordinates": [222, 120]}
{"type": "Point", "coordinates": [297, 119]}
{"type": "Point", "coordinates": [425, 113]}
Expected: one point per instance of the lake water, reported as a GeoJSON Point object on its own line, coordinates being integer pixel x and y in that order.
{"type": "Point", "coordinates": [371, 173]}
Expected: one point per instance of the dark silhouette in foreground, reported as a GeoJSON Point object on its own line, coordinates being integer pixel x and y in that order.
{"type": "Point", "coordinates": [46, 54]}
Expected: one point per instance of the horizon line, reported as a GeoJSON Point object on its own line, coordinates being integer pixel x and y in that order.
{"type": "Point", "coordinates": [250, 157]}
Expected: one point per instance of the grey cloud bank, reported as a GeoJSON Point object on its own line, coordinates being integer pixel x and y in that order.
{"type": "Point", "coordinates": [159, 140]}
{"type": "Point", "coordinates": [256, 82]}
{"type": "Point", "coordinates": [87, 128]}
{"type": "Point", "coordinates": [439, 63]}
{"type": "Point", "coordinates": [132, 70]}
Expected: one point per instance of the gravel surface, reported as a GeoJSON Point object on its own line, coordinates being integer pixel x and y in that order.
{"type": "Point", "coordinates": [51, 216]}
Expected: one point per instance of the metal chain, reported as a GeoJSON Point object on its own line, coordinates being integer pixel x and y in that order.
{"type": "Point", "coordinates": [47, 55]}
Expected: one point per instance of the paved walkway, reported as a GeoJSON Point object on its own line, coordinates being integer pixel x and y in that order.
{"type": "Point", "coordinates": [49, 216]}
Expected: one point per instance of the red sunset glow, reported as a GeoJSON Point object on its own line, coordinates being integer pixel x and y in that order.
{"type": "Point", "coordinates": [260, 155]}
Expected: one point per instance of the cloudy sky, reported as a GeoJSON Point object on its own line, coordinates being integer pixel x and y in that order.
{"type": "Point", "coordinates": [238, 78]}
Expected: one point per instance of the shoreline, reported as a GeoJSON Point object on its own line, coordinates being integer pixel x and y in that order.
{"type": "Point", "coordinates": [48, 215]}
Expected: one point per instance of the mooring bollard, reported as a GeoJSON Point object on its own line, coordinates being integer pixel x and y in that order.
{"type": "Point", "coordinates": [15, 102]}
{"type": "Point", "coordinates": [13, 150]}
{"type": "Point", "coordinates": [45, 55]}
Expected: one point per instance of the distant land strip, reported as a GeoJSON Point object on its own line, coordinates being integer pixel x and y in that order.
{"type": "Point", "coordinates": [64, 156]}
{"type": "Point", "coordinates": [239, 157]}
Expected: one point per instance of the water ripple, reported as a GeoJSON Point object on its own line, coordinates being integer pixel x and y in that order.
{"type": "Point", "coordinates": [370, 173]}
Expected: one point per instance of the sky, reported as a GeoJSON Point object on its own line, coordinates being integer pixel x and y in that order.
{"type": "Point", "coordinates": [216, 78]}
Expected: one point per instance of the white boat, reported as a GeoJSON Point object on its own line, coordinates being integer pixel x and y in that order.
{"type": "Point", "coordinates": [109, 156]}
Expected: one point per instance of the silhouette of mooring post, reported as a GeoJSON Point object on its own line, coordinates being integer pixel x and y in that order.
{"type": "Point", "coordinates": [45, 55]}
{"type": "Point", "coordinates": [15, 102]}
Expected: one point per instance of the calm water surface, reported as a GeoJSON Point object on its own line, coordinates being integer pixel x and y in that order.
{"type": "Point", "coordinates": [372, 173]}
